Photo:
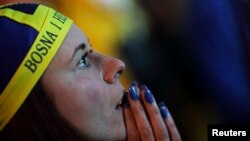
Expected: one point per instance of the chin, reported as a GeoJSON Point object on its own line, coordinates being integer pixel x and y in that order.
{"type": "Point", "coordinates": [117, 133]}
{"type": "Point", "coordinates": [121, 134]}
{"type": "Point", "coordinates": [106, 134]}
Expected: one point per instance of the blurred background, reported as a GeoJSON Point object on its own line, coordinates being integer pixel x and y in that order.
{"type": "Point", "coordinates": [192, 54]}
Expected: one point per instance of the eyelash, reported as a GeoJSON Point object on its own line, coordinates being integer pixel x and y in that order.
{"type": "Point", "coordinates": [83, 60]}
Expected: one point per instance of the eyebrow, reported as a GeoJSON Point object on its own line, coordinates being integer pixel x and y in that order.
{"type": "Point", "coordinates": [82, 46]}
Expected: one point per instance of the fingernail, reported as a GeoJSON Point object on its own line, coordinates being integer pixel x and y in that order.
{"type": "Point", "coordinates": [133, 93]}
{"type": "Point", "coordinates": [147, 94]}
{"type": "Point", "coordinates": [134, 83]}
{"type": "Point", "coordinates": [163, 110]}
{"type": "Point", "coordinates": [161, 104]}
{"type": "Point", "coordinates": [143, 87]}
{"type": "Point", "coordinates": [125, 101]}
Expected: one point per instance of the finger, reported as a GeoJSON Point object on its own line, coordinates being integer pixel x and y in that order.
{"type": "Point", "coordinates": [131, 129]}
{"type": "Point", "coordinates": [142, 122]}
{"type": "Point", "coordinates": [159, 127]}
{"type": "Point", "coordinates": [173, 131]}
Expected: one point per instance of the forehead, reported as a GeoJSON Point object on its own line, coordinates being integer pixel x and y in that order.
{"type": "Point", "coordinates": [74, 38]}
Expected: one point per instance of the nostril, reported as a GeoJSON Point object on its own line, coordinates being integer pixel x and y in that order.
{"type": "Point", "coordinates": [118, 74]}
{"type": "Point", "coordinates": [113, 69]}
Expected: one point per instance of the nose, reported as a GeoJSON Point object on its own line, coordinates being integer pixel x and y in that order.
{"type": "Point", "coordinates": [112, 69]}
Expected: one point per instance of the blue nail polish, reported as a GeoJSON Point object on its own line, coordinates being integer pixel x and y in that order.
{"type": "Point", "coordinates": [134, 83]}
{"type": "Point", "coordinates": [133, 93]}
{"type": "Point", "coordinates": [143, 87]}
{"type": "Point", "coordinates": [163, 110]}
{"type": "Point", "coordinates": [148, 96]}
{"type": "Point", "coordinates": [161, 104]}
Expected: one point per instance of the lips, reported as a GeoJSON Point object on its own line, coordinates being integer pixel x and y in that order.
{"type": "Point", "coordinates": [121, 101]}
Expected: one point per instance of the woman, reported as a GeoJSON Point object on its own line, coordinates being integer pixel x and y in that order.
{"type": "Point", "coordinates": [55, 87]}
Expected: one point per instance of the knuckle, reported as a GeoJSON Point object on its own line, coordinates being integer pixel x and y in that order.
{"type": "Point", "coordinates": [155, 111]}
{"type": "Point", "coordinates": [162, 136]}
{"type": "Point", "coordinates": [147, 133]}
{"type": "Point", "coordinates": [133, 136]}
{"type": "Point", "coordinates": [138, 110]}
{"type": "Point", "coordinates": [171, 125]}
{"type": "Point", "coordinates": [177, 138]}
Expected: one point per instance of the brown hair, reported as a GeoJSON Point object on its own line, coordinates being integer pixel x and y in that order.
{"type": "Point", "coordinates": [38, 120]}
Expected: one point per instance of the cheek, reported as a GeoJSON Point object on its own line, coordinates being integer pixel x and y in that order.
{"type": "Point", "coordinates": [82, 103]}
{"type": "Point", "coordinates": [89, 89]}
{"type": "Point", "coordinates": [82, 96]}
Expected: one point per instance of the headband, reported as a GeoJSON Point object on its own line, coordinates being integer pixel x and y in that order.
{"type": "Point", "coordinates": [30, 36]}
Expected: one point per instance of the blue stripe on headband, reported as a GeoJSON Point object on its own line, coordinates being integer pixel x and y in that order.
{"type": "Point", "coordinates": [16, 40]}
{"type": "Point", "coordinates": [25, 8]}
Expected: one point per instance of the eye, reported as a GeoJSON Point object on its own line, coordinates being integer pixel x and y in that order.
{"type": "Point", "coordinates": [83, 63]}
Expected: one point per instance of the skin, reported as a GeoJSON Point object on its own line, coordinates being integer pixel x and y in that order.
{"type": "Point", "coordinates": [85, 88]}
{"type": "Point", "coordinates": [144, 121]}
{"type": "Point", "coordinates": [86, 94]}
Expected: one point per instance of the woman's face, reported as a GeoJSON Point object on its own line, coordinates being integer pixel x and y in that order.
{"type": "Point", "coordinates": [85, 88]}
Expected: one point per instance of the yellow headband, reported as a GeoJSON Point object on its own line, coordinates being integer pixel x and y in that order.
{"type": "Point", "coordinates": [52, 27]}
